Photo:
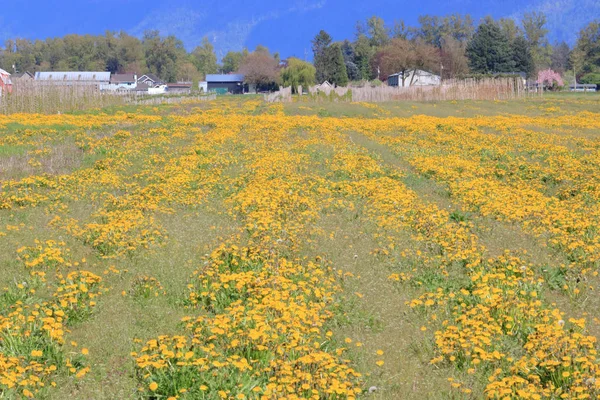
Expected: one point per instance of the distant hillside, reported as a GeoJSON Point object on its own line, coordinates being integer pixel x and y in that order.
{"type": "Point", "coordinates": [287, 27]}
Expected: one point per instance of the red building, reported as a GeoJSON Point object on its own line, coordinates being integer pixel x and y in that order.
{"type": "Point", "coordinates": [5, 82]}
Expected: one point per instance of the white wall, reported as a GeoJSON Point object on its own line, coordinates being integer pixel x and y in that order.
{"type": "Point", "coordinates": [421, 78]}
{"type": "Point", "coordinates": [203, 86]}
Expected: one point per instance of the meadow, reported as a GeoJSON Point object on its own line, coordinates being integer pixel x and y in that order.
{"type": "Point", "coordinates": [237, 249]}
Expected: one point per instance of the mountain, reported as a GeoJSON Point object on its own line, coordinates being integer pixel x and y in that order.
{"type": "Point", "coordinates": [287, 27]}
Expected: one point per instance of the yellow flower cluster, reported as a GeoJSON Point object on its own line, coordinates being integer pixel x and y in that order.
{"type": "Point", "coordinates": [32, 333]}
{"type": "Point", "coordinates": [263, 310]}
{"type": "Point", "coordinates": [50, 254]}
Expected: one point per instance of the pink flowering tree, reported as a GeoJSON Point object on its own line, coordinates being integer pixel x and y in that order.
{"type": "Point", "coordinates": [549, 79]}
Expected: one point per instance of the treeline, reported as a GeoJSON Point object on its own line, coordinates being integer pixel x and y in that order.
{"type": "Point", "coordinates": [452, 46]}
{"type": "Point", "coordinates": [115, 52]}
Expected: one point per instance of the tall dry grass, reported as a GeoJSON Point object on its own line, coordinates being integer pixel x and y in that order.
{"type": "Point", "coordinates": [50, 97]}
{"type": "Point", "coordinates": [53, 97]}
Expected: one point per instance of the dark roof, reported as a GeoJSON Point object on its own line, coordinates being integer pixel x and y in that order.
{"type": "Point", "coordinates": [22, 74]}
{"type": "Point", "coordinates": [224, 78]}
{"type": "Point", "coordinates": [120, 78]}
{"type": "Point", "coordinates": [142, 87]}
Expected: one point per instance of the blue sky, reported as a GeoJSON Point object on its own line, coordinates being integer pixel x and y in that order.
{"type": "Point", "coordinates": [282, 26]}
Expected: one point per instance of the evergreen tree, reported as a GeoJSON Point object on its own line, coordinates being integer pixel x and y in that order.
{"type": "Point", "coordinates": [320, 44]}
{"type": "Point", "coordinates": [336, 67]}
{"type": "Point", "coordinates": [522, 56]}
{"type": "Point", "coordinates": [363, 52]}
{"type": "Point", "coordinates": [559, 61]}
{"type": "Point", "coordinates": [489, 50]}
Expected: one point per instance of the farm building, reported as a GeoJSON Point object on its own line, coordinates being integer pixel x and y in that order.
{"type": "Point", "coordinates": [414, 78]}
{"type": "Point", "coordinates": [99, 78]}
{"type": "Point", "coordinates": [220, 83]}
{"type": "Point", "coordinates": [5, 82]}
{"type": "Point", "coordinates": [22, 77]}
{"type": "Point", "coordinates": [122, 82]}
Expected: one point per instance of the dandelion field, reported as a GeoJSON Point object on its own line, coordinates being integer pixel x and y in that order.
{"type": "Point", "coordinates": [234, 249]}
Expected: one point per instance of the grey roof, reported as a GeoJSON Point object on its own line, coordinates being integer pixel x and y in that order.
{"type": "Point", "coordinates": [120, 78]}
{"type": "Point", "coordinates": [151, 77]}
{"type": "Point", "coordinates": [81, 76]}
{"type": "Point", "coordinates": [224, 78]}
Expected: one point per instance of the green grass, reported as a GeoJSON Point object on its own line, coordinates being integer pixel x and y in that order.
{"type": "Point", "coordinates": [374, 310]}
{"type": "Point", "coordinates": [567, 103]}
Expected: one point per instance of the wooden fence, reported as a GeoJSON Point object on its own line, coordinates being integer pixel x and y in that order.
{"type": "Point", "coordinates": [466, 89]}
{"type": "Point", "coordinates": [469, 89]}
{"type": "Point", "coordinates": [284, 95]}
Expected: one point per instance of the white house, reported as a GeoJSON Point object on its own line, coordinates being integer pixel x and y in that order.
{"type": "Point", "coordinates": [121, 82]}
{"type": "Point", "coordinates": [414, 78]}
{"type": "Point", "coordinates": [150, 79]}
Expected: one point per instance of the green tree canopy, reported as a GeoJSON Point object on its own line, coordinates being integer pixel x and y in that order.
{"type": "Point", "coordinates": [297, 73]}
{"type": "Point", "coordinates": [586, 55]}
{"type": "Point", "coordinates": [204, 57]}
{"type": "Point", "coordinates": [232, 61]}
{"type": "Point", "coordinates": [489, 50]}
{"type": "Point", "coordinates": [534, 27]}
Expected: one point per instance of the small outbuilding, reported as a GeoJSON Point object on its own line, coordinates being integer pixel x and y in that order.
{"type": "Point", "coordinates": [414, 78]}
{"type": "Point", "coordinates": [225, 83]}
